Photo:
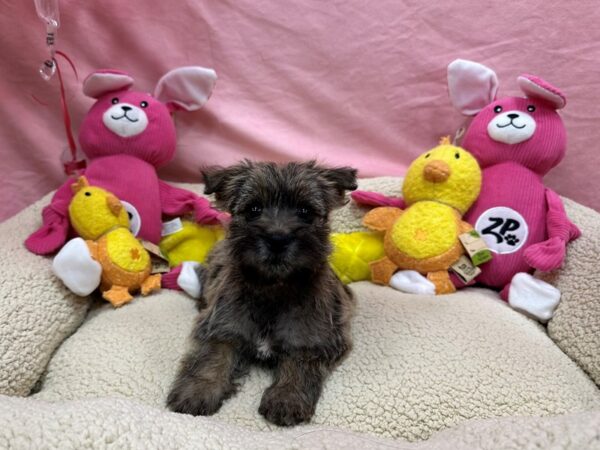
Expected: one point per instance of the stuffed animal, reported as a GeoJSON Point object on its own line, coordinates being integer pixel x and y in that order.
{"type": "Point", "coordinates": [189, 241]}
{"type": "Point", "coordinates": [127, 135]}
{"type": "Point", "coordinates": [353, 252]}
{"type": "Point", "coordinates": [516, 141]}
{"type": "Point", "coordinates": [110, 256]}
{"type": "Point", "coordinates": [423, 239]}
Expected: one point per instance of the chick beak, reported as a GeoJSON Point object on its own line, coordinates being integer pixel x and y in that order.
{"type": "Point", "coordinates": [114, 205]}
{"type": "Point", "coordinates": [436, 171]}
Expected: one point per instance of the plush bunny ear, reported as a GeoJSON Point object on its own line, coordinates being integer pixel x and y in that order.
{"type": "Point", "coordinates": [534, 87]}
{"type": "Point", "coordinates": [472, 86]}
{"type": "Point", "coordinates": [103, 81]}
{"type": "Point", "coordinates": [188, 88]}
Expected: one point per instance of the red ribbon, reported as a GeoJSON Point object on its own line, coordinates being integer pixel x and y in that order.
{"type": "Point", "coordinates": [70, 167]}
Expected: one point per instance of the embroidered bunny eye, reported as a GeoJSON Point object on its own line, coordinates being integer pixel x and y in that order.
{"type": "Point", "coordinates": [144, 104]}
{"type": "Point", "coordinates": [114, 101]}
{"type": "Point", "coordinates": [531, 108]}
{"type": "Point", "coordinates": [498, 109]}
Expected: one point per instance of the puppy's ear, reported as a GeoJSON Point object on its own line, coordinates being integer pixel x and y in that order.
{"type": "Point", "coordinates": [224, 182]}
{"type": "Point", "coordinates": [340, 180]}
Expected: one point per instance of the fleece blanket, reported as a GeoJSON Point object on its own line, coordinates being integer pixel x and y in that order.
{"type": "Point", "coordinates": [420, 364]}
{"type": "Point", "coordinates": [117, 423]}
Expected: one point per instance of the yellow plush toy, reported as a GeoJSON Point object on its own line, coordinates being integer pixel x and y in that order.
{"type": "Point", "coordinates": [439, 187]}
{"type": "Point", "coordinates": [191, 242]}
{"type": "Point", "coordinates": [352, 253]}
{"type": "Point", "coordinates": [110, 256]}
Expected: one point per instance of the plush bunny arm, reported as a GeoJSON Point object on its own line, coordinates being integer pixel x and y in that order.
{"type": "Point", "coordinates": [176, 201]}
{"type": "Point", "coordinates": [549, 255]}
{"type": "Point", "coordinates": [53, 233]}
{"type": "Point", "coordinates": [375, 199]}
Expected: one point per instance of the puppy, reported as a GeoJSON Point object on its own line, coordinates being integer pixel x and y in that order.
{"type": "Point", "coordinates": [271, 297]}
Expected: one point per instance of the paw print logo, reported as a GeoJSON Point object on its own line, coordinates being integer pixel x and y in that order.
{"type": "Point", "coordinates": [511, 239]}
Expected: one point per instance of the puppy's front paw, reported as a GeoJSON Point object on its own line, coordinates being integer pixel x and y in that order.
{"type": "Point", "coordinates": [285, 407]}
{"type": "Point", "coordinates": [189, 400]}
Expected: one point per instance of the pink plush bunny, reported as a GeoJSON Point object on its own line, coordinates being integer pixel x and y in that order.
{"type": "Point", "coordinates": [516, 141]}
{"type": "Point", "coordinates": [127, 135]}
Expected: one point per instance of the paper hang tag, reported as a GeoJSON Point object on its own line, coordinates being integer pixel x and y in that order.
{"type": "Point", "coordinates": [159, 265]}
{"type": "Point", "coordinates": [476, 247]}
{"type": "Point", "coordinates": [465, 269]}
{"type": "Point", "coordinates": [153, 249]}
{"type": "Point", "coordinates": [171, 227]}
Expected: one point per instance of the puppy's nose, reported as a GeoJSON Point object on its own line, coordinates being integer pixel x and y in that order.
{"type": "Point", "coordinates": [126, 108]}
{"type": "Point", "coordinates": [512, 116]}
{"type": "Point", "coordinates": [278, 242]}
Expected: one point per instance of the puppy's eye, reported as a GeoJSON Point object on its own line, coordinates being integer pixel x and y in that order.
{"type": "Point", "coordinates": [253, 211]}
{"type": "Point", "coordinates": [498, 109]}
{"type": "Point", "coordinates": [305, 213]}
{"type": "Point", "coordinates": [531, 108]}
{"type": "Point", "coordinates": [114, 101]}
{"type": "Point", "coordinates": [144, 104]}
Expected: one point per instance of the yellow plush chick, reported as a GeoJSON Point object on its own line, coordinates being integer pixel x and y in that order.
{"type": "Point", "coordinates": [192, 242]}
{"type": "Point", "coordinates": [352, 253]}
{"type": "Point", "coordinates": [439, 187]}
{"type": "Point", "coordinates": [100, 218]}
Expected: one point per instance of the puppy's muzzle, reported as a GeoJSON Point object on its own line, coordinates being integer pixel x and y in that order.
{"type": "Point", "coordinates": [278, 242]}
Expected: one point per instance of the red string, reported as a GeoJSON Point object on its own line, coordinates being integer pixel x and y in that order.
{"type": "Point", "coordinates": [66, 118]}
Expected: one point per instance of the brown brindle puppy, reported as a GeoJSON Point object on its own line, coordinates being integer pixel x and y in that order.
{"type": "Point", "coordinates": [270, 295]}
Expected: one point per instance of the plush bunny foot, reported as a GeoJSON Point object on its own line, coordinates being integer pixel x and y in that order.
{"type": "Point", "coordinates": [412, 282]}
{"type": "Point", "coordinates": [534, 297]}
{"type": "Point", "coordinates": [188, 279]}
{"type": "Point", "coordinates": [76, 268]}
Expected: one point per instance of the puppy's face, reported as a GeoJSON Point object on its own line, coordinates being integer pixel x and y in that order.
{"type": "Point", "coordinates": [280, 213]}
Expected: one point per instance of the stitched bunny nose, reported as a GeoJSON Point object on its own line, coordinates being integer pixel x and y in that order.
{"type": "Point", "coordinates": [126, 108]}
{"type": "Point", "coordinates": [436, 171]}
{"type": "Point", "coordinates": [512, 116]}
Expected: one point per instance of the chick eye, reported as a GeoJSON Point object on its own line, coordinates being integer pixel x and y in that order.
{"type": "Point", "coordinates": [427, 155]}
{"type": "Point", "coordinates": [87, 193]}
{"type": "Point", "coordinates": [498, 109]}
{"type": "Point", "coordinates": [457, 155]}
{"type": "Point", "coordinates": [144, 104]}
{"type": "Point", "coordinates": [531, 108]}
{"type": "Point", "coordinates": [114, 101]}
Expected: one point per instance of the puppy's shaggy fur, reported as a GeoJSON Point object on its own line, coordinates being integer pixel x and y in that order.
{"type": "Point", "coordinates": [270, 295]}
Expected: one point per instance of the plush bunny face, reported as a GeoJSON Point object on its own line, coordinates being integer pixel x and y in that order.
{"type": "Point", "coordinates": [524, 130]}
{"type": "Point", "coordinates": [129, 123]}
{"type": "Point", "coordinates": [138, 124]}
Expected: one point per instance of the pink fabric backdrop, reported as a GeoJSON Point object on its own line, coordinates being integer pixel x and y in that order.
{"type": "Point", "coordinates": [347, 82]}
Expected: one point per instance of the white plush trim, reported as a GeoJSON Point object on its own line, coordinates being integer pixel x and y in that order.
{"type": "Point", "coordinates": [187, 87]}
{"type": "Point", "coordinates": [99, 83]}
{"type": "Point", "coordinates": [188, 279]}
{"type": "Point", "coordinates": [76, 268]}
{"type": "Point", "coordinates": [471, 86]}
{"type": "Point", "coordinates": [534, 297]}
